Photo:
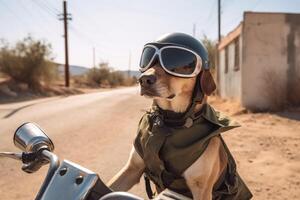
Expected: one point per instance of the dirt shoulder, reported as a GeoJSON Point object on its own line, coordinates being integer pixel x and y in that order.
{"type": "Point", "coordinates": [266, 148]}
{"type": "Point", "coordinates": [11, 92]}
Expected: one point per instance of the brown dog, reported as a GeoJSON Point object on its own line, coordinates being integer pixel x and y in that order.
{"type": "Point", "coordinates": [174, 93]}
{"type": "Point", "coordinates": [179, 145]}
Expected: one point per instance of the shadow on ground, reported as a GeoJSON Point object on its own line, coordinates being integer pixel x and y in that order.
{"type": "Point", "coordinates": [293, 115]}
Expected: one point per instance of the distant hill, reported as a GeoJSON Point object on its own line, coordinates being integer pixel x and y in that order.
{"type": "Point", "coordinates": [75, 70]}
{"type": "Point", "coordinates": [132, 73]}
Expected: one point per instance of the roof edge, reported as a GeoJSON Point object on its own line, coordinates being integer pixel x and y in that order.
{"type": "Point", "coordinates": [230, 36]}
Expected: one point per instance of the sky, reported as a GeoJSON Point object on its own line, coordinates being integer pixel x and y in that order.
{"type": "Point", "coordinates": [118, 29]}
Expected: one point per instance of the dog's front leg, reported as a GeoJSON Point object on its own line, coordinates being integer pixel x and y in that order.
{"type": "Point", "coordinates": [203, 174]}
{"type": "Point", "coordinates": [130, 174]}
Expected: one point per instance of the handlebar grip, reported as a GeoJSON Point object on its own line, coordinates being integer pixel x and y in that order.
{"type": "Point", "coordinates": [33, 161]}
{"type": "Point", "coordinates": [32, 166]}
{"type": "Point", "coordinates": [28, 157]}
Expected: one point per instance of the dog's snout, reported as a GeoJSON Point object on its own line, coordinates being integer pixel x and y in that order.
{"type": "Point", "coordinates": [147, 80]}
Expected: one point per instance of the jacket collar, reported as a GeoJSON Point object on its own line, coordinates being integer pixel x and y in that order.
{"type": "Point", "coordinates": [173, 119]}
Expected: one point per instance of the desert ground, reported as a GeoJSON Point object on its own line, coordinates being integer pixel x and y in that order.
{"type": "Point", "coordinates": [96, 130]}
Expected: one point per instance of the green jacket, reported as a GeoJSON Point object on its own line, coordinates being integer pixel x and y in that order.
{"type": "Point", "coordinates": [168, 149]}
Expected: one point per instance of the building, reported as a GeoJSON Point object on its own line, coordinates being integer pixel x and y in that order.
{"type": "Point", "coordinates": [259, 61]}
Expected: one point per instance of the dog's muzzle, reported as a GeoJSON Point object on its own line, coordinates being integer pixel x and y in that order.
{"type": "Point", "coordinates": [147, 85]}
{"type": "Point", "coordinates": [147, 81]}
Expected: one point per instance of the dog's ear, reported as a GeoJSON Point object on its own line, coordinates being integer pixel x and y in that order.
{"type": "Point", "coordinates": [207, 82]}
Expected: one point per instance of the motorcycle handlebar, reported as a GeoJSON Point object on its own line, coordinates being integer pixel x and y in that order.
{"type": "Point", "coordinates": [44, 155]}
{"type": "Point", "coordinates": [16, 156]}
{"type": "Point", "coordinates": [54, 164]}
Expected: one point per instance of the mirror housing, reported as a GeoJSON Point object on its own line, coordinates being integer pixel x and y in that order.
{"type": "Point", "coordinates": [29, 137]}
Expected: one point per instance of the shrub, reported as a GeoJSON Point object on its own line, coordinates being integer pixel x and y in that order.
{"type": "Point", "coordinates": [104, 76]}
{"type": "Point", "coordinates": [28, 62]}
{"type": "Point", "coordinates": [116, 78]}
{"type": "Point", "coordinates": [211, 49]}
{"type": "Point", "coordinates": [98, 76]}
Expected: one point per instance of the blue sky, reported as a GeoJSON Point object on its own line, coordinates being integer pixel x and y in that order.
{"type": "Point", "coordinates": [117, 27]}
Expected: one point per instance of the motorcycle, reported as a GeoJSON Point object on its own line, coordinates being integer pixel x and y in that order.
{"type": "Point", "coordinates": [64, 180]}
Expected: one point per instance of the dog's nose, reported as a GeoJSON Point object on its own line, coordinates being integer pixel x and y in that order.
{"type": "Point", "coordinates": [147, 80]}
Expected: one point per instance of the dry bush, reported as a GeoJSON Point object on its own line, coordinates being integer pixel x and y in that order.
{"type": "Point", "coordinates": [212, 51]}
{"type": "Point", "coordinates": [116, 78]}
{"type": "Point", "coordinates": [28, 62]}
{"type": "Point", "coordinates": [275, 90]}
{"type": "Point", "coordinates": [98, 76]}
{"type": "Point", "coordinates": [80, 81]}
{"type": "Point", "coordinates": [129, 81]}
{"type": "Point", "coordinates": [104, 76]}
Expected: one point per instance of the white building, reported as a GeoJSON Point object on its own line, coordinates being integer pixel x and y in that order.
{"type": "Point", "coordinates": [259, 61]}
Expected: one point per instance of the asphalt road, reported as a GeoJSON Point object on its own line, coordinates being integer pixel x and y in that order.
{"type": "Point", "coordinates": [95, 130]}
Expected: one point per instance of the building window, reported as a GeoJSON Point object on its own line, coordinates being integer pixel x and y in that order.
{"type": "Point", "coordinates": [236, 54]}
{"type": "Point", "coordinates": [226, 49]}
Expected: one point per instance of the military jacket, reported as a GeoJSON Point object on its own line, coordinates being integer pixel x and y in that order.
{"type": "Point", "coordinates": [168, 150]}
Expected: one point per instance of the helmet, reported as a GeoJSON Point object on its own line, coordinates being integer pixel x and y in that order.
{"type": "Point", "coordinates": [187, 41]}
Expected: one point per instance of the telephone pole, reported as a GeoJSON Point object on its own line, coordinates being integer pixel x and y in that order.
{"type": "Point", "coordinates": [219, 20]}
{"type": "Point", "coordinates": [94, 57]}
{"type": "Point", "coordinates": [194, 29]}
{"type": "Point", "coordinates": [219, 41]}
{"type": "Point", "coordinates": [65, 18]}
{"type": "Point", "coordinates": [129, 64]}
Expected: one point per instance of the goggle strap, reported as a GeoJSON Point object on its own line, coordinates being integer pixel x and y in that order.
{"type": "Point", "coordinates": [197, 97]}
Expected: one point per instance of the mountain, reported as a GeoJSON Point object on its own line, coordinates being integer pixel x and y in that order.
{"type": "Point", "coordinates": [75, 70]}
{"type": "Point", "coordinates": [132, 73]}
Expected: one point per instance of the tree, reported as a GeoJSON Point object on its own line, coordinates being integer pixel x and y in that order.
{"type": "Point", "coordinates": [28, 62]}
{"type": "Point", "coordinates": [212, 50]}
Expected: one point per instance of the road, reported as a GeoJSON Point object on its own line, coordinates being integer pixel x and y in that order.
{"type": "Point", "coordinates": [96, 130]}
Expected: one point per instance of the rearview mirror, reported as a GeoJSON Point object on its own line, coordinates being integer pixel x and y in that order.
{"type": "Point", "coordinates": [30, 138]}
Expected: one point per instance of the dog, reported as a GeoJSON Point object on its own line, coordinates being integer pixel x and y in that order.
{"type": "Point", "coordinates": [175, 94]}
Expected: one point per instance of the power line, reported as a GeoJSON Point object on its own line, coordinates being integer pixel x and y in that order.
{"type": "Point", "coordinates": [20, 19]}
{"type": "Point", "coordinates": [51, 6]}
{"type": "Point", "coordinates": [211, 18]}
{"type": "Point", "coordinates": [212, 10]}
{"type": "Point", "coordinates": [41, 26]}
{"type": "Point", "coordinates": [83, 35]}
{"type": "Point", "coordinates": [82, 23]}
{"type": "Point", "coordinates": [45, 8]}
{"type": "Point", "coordinates": [235, 19]}
{"type": "Point", "coordinates": [55, 12]}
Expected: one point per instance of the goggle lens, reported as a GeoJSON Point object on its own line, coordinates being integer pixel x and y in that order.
{"type": "Point", "coordinates": [179, 61]}
{"type": "Point", "coordinates": [146, 57]}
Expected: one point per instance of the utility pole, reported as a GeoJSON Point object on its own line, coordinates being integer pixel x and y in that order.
{"type": "Point", "coordinates": [219, 20]}
{"type": "Point", "coordinates": [94, 57]}
{"type": "Point", "coordinates": [219, 41]}
{"type": "Point", "coordinates": [194, 30]}
{"type": "Point", "coordinates": [129, 64]}
{"type": "Point", "coordinates": [65, 19]}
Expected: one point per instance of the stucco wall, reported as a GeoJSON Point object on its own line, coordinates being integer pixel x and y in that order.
{"type": "Point", "coordinates": [230, 82]}
{"type": "Point", "coordinates": [293, 59]}
{"type": "Point", "coordinates": [266, 67]}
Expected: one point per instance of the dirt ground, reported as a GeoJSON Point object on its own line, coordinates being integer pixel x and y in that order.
{"type": "Point", "coordinates": [11, 91]}
{"type": "Point", "coordinates": [267, 150]}
{"type": "Point", "coordinates": [84, 129]}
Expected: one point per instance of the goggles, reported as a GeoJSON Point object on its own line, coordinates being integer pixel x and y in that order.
{"type": "Point", "coordinates": [175, 60]}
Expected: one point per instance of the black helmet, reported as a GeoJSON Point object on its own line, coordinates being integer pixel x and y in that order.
{"type": "Point", "coordinates": [187, 41]}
